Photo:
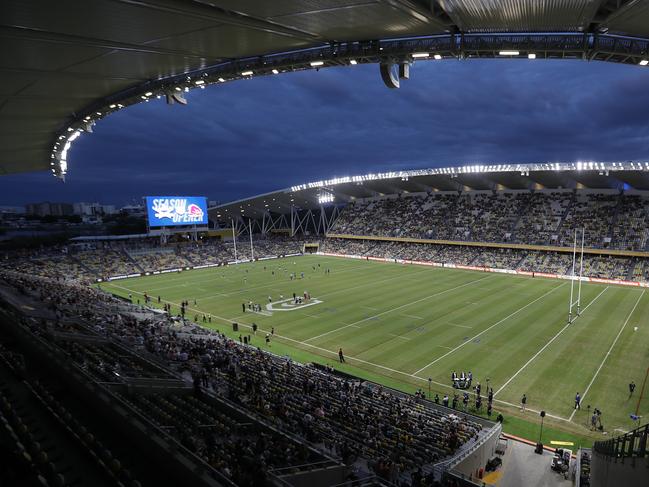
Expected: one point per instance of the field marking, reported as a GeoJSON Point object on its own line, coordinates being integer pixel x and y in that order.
{"type": "Point", "coordinates": [487, 329]}
{"type": "Point", "coordinates": [210, 277]}
{"type": "Point", "coordinates": [546, 345]}
{"type": "Point", "coordinates": [397, 308]}
{"type": "Point", "coordinates": [370, 307]}
{"type": "Point", "coordinates": [399, 336]}
{"type": "Point", "coordinates": [414, 317]}
{"type": "Point", "coordinates": [460, 326]}
{"type": "Point", "coordinates": [609, 352]}
{"type": "Point", "coordinates": [335, 354]}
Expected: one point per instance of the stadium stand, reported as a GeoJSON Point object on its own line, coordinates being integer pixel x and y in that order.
{"type": "Point", "coordinates": [611, 220]}
{"type": "Point", "coordinates": [400, 436]}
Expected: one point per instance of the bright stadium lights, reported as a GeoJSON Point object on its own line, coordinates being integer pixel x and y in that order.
{"type": "Point", "coordinates": [644, 62]}
{"type": "Point", "coordinates": [531, 55]}
{"type": "Point", "coordinates": [353, 62]}
{"type": "Point", "coordinates": [112, 106]}
{"type": "Point", "coordinates": [221, 80]}
{"type": "Point", "coordinates": [437, 57]}
{"type": "Point", "coordinates": [418, 55]}
{"type": "Point", "coordinates": [508, 53]}
{"type": "Point", "coordinates": [275, 71]}
{"type": "Point", "coordinates": [148, 93]}
{"type": "Point", "coordinates": [315, 64]}
{"type": "Point", "coordinates": [325, 198]}
{"type": "Point", "coordinates": [199, 82]}
{"type": "Point", "coordinates": [247, 73]}
{"type": "Point", "coordinates": [178, 88]}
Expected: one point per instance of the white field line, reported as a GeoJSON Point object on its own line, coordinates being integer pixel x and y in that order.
{"type": "Point", "coordinates": [546, 345]}
{"type": "Point", "coordinates": [492, 326]}
{"type": "Point", "coordinates": [211, 277]}
{"type": "Point", "coordinates": [335, 353]}
{"type": "Point", "coordinates": [414, 317]}
{"type": "Point", "coordinates": [460, 326]}
{"type": "Point", "coordinates": [397, 308]}
{"type": "Point", "coordinates": [399, 336]}
{"type": "Point", "coordinates": [609, 352]}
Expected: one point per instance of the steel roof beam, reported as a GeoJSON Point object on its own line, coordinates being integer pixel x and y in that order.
{"type": "Point", "coordinates": [204, 11]}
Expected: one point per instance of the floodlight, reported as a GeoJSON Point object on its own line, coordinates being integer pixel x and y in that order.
{"type": "Point", "coordinates": [316, 63]}
{"type": "Point", "coordinates": [275, 71]}
{"type": "Point", "coordinates": [509, 53]}
{"type": "Point", "coordinates": [353, 62]}
{"type": "Point", "coordinates": [531, 55]}
{"type": "Point", "coordinates": [438, 56]}
{"type": "Point", "coordinates": [199, 82]}
{"type": "Point", "coordinates": [247, 73]}
{"type": "Point", "coordinates": [221, 80]}
{"type": "Point", "coordinates": [420, 54]}
{"type": "Point", "coordinates": [644, 62]}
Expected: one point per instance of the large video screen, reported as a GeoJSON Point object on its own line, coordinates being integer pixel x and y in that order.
{"type": "Point", "coordinates": [167, 211]}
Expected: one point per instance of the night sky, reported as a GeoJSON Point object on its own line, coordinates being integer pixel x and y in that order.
{"type": "Point", "coordinates": [244, 138]}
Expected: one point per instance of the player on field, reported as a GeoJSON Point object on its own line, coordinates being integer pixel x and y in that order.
{"type": "Point", "coordinates": [341, 357]}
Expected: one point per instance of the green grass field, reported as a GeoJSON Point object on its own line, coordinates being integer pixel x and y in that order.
{"type": "Point", "coordinates": [402, 324]}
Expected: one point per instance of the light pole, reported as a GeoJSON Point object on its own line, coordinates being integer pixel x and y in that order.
{"type": "Point", "coordinates": [539, 445]}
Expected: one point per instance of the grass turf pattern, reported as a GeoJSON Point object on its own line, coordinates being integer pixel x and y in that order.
{"type": "Point", "coordinates": [403, 324]}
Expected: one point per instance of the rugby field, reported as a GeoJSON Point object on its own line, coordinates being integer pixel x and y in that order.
{"type": "Point", "coordinates": [405, 324]}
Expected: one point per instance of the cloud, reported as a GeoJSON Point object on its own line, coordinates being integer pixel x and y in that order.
{"type": "Point", "coordinates": [239, 139]}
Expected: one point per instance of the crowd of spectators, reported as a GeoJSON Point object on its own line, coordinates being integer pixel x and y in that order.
{"type": "Point", "coordinates": [361, 423]}
{"type": "Point", "coordinates": [551, 262]}
{"type": "Point", "coordinates": [100, 260]}
{"type": "Point", "coordinates": [611, 220]}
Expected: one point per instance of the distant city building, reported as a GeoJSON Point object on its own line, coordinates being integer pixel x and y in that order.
{"type": "Point", "coordinates": [133, 210]}
{"type": "Point", "coordinates": [93, 209]}
{"type": "Point", "coordinates": [12, 210]}
{"type": "Point", "coordinates": [47, 208]}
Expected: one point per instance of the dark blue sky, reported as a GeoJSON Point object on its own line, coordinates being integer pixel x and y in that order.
{"type": "Point", "coordinates": [243, 138]}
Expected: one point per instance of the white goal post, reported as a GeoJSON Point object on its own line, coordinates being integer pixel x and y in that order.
{"type": "Point", "coordinates": [576, 303]}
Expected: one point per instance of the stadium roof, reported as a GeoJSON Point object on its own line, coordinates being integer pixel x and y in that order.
{"type": "Point", "coordinates": [68, 63]}
{"type": "Point", "coordinates": [539, 176]}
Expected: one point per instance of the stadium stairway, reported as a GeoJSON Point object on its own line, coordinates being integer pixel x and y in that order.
{"type": "Point", "coordinates": [130, 258]}
{"type": "Point", "coordinates": [78, 261]}
{"type": "Point", "coordinates": [566, 213]}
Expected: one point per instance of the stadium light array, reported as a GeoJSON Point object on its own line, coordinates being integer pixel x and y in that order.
{"type": "Point", "coordinates": [644, 62]}
{"type": "Point", "coordinates": [508, 53]}
{"type": "Point", "coordinates": [418, 55]}
{"type": "Point", "coordinates": [353, 62]}
{"type": "Point", "coordinates": [315, 64]}
{"type": "Point", "coordinates": [324, 198]}
{"type": "Point", "coordinates": [437, 56]}
{"type": "Point", "coordinates": [452, 172]}
{"type": "Point", "coordinates": [247, 73]}
{"type": "Point", "coordinates": [531, 55]}
{"type": "Point", "coordinates": [275, 71]}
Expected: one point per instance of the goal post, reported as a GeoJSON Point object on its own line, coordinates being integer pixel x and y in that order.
{"type": "Point", "coordinates": [576, 303]}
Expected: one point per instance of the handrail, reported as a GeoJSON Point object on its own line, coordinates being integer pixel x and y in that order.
{"type": "Point", "coordinates": [631, 444]}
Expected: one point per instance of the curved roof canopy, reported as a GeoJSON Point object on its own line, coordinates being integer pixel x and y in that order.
{"type": "Point", "coordinates": [68, 63]}
{"type": "Point", "coordinates": [599, 176]}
